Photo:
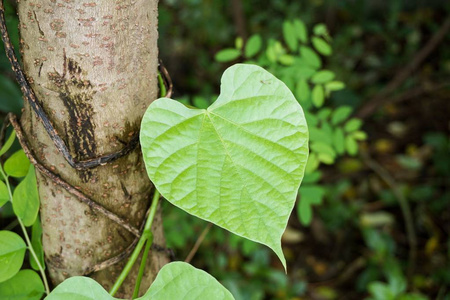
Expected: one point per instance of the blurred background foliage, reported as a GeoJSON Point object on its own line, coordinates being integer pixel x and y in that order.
{"type": "Point", "coordinates": [373, 213]}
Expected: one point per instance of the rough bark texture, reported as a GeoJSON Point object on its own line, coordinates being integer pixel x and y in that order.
{"type": "Point", "coordinates": [93, 66]}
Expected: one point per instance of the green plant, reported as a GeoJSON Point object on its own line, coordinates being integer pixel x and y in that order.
{"type": "Point", "coordinates": [237, 164]}
{"type": "Point", "coordinates": [297, 61]}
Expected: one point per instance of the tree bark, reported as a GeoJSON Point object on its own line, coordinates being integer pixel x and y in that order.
{"type": "Point", "coordinates": [93, 67]}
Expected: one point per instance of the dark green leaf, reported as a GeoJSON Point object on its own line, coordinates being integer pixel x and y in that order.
{"type": "Point", "coordinates": [36, 243]}
{"type": "Point", "coordinates": [340, 114]}
{"type": "Point", "coordinates": [4, 193]}
{"type": "Point", "coordinates": [304, 212]}
{"type": "Point", "coordinates": [339, 141]}
{"type": "Point", "coordinates": [26, 199]}
{"type": "Point", "coordinates": [352, 125]}
{"type": "Point", "coordinates": [12, 252]}
{"type": "Point", "coordinates": [25, 285]}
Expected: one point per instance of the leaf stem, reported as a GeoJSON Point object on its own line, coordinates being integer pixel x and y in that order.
{"type": "Point", "coordinates": [27, 238]}
{"type": "Point", "coordinates": [148, 245]}
{"type": "Point", "coordinates": [146, 236]}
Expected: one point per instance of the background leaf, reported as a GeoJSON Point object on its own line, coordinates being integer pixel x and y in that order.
{"type": "Point", "coordinates": [290, 36]}
{"type": "Point", "coordinates": [36, 243]}
{"type": "Point", "coordinates": [4, 193]}
{"type": "Point", "coordinates": [8, 143]}
{"type": "Point", "coordinates": [321, 46]}
{"type": "Point", "coordinates": [253, 46]}
{"type": "Point", "coordinates": [245, 155]}
{"type": "Point", "coordinates": [227, 55]}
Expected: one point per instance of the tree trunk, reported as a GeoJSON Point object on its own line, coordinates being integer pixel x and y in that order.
{"type": "Point", "coordinates": [93, 67]}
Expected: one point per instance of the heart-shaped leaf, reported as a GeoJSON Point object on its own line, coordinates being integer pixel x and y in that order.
{"type": "Point", "coordinates": [177, 280]}
{"type": "Point", "coordinates": [237, 164]}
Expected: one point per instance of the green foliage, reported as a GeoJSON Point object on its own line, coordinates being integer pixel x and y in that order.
{"type": "Point", "coordinates": [331, 133]}
{"type": "Point", "coordinates": [17, 165]}
{"type": "Point", "coordinates": [238, 157]}
{"type": "Point", "coordinates": [177, 280]}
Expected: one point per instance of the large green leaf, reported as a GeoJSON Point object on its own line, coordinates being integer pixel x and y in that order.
{"type": "Point", "coordinates": [26, 198]}
{"type": "Point", "coordinates": [25, 285]}
{"type": "Point", "coordinates": [12, 252]}
{"type": "Point", "coordinates": [237, 164]}
{"type": "Point", "coordinates": [177, 280]}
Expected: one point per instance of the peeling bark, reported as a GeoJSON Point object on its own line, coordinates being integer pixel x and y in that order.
{"type": "Point", "coordinates": [93, 67]}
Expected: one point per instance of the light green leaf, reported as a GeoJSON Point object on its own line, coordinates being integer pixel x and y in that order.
{"type": "Point", "coordinates": [25, 285]}
{"type": "Point", "coordinates": [36, 243]}
{"type": "Point", "coordinates": [323, 148]}
{"type": "Point", "coordinates": [322, 76]}
{"type": "Point", "coordinates": [286, 59]}
{"type": "Point", "coordinates": [380, 291]}
{"type": "Point", "coordinates": [243, 156]}
{"type": "Point", "coordinates": [179, 280]}
{"type": "Point", "coordinates": [17, 165]}
{"type": "Point", "coordinates": [301, 31]}
{"type": "Point", "coordinates": [321, 46]}
{"type": "Point", "coordinates": [289, 35]}
{"type": "Point", "coordinates": [176, 280]}
{"type": "Point", "coordinates": [253, 46]}
{"type": "Point", "coordinates": [79, 288]}
{"type": "Point", "coordinates": [339, 141]}
{"type": "Point", "coordinates": [359, 135]}
{"type": "Point", "coordinates": [317, 96]}
{"type": "Point", "coordinates": [351, 145]}
{"type": "Point", "coordinates": [227, 55]}
{"type": "Point", "coordinates": [352, 125]}
{"type": "Point", "coordinates": [12, 252]}
{"type": "Point", "coordinates": [312, 164]}
{"type": "Point", "coordinates": [304, 212]}
{"type": "Point", "coordinates": [8, 143]}
{"type": "Point", "coordinates": [239, 43]}
{"type": "Point", "coordinates": [334, 86]}
{"type": "Point", "coordinates": [4, 193]}
{"type": "Point", "coordinates": [26, 199]}
{"type": "Point", "coordinates": [340, 114]}
{"type": "Point", "coordinates": [313, 194]}
{"type": "Point", "coordinates": [302, 91]}
{"type": "Point", "coordinates": [311, 58]}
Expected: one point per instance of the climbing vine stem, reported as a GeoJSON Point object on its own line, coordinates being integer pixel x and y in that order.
{"type": "Point", "coordinates": [146, 238]}
{"type": "Point", "coordinates": [25, 233]}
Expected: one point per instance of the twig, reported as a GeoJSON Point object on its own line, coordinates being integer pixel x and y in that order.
{"type": "Point", "coordinates": [55, 178]}
{"type": "Point", "coordinates": [198, 243]}
{"type": "Point", "coordinates": [381, 98]}
{"type": "Point", "coordinates": [404, 206]}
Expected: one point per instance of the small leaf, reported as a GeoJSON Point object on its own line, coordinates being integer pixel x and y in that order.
{"type": "Point", "coordinates": [243, 155]}
{"type": "Point", "coordinates": [25, 285]}
{"type": "Point", "coordinates": [352, 125]}
{"type": "Point", "coordinates": [312, 193]}
{"type": "Point", "coordinates": [8, 143]}
{"type": "Point", "coordinates": [4, 193]}
{"type": "Point", "coordinates": [341, 114]}
{"type": "Point", "coordinates": [239, 43]}
{"type": "Point", "coordinates": [290, 36]}
{"type": "Point", "coordinates": [286, 59]}
{"type": "Point", "coordinates": [351, 145]}
{"type": "Point", "coordinates": [304, 212]}
{"type": "Point", "coordinates": [323, 148]}
{"type": "Point", "coordinates": [312, 164]}
{"type": "Point", "coordinates": [302, 91]}
{"type": "Point", "coordinates": [359, 135]}
{"type": "Point", "coordinates": [12, 252]}
{"type": "Point", "coordinates": [322, 77]}
{"type": "Point", "coordinates": [253, 46]}
{"type": "Point", "coordinates": [227, 55]}
{"type": "Point", "coordinates": [311, 58]}
{"type": "Point", "coordinates": [312, 177]}
{"type": "Point", "coordinates": [317, 96]}
{"type": "Point", "coordinates": [321, 46]}
{"type": "Point", "coordinates": [36, 243]}
{"type": "Point", "coordinates": [26, 198]}
{"type": "Point", "coordinates": [179, 280]}
{"type": "Point", "coordinates": [301, 31]}
{"type": "Point", "coordinates": [334, 86]}
{"type": "Point", "coordinates": [17, 165]}
{"type": "Point", "coordinates": [339, 141]}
